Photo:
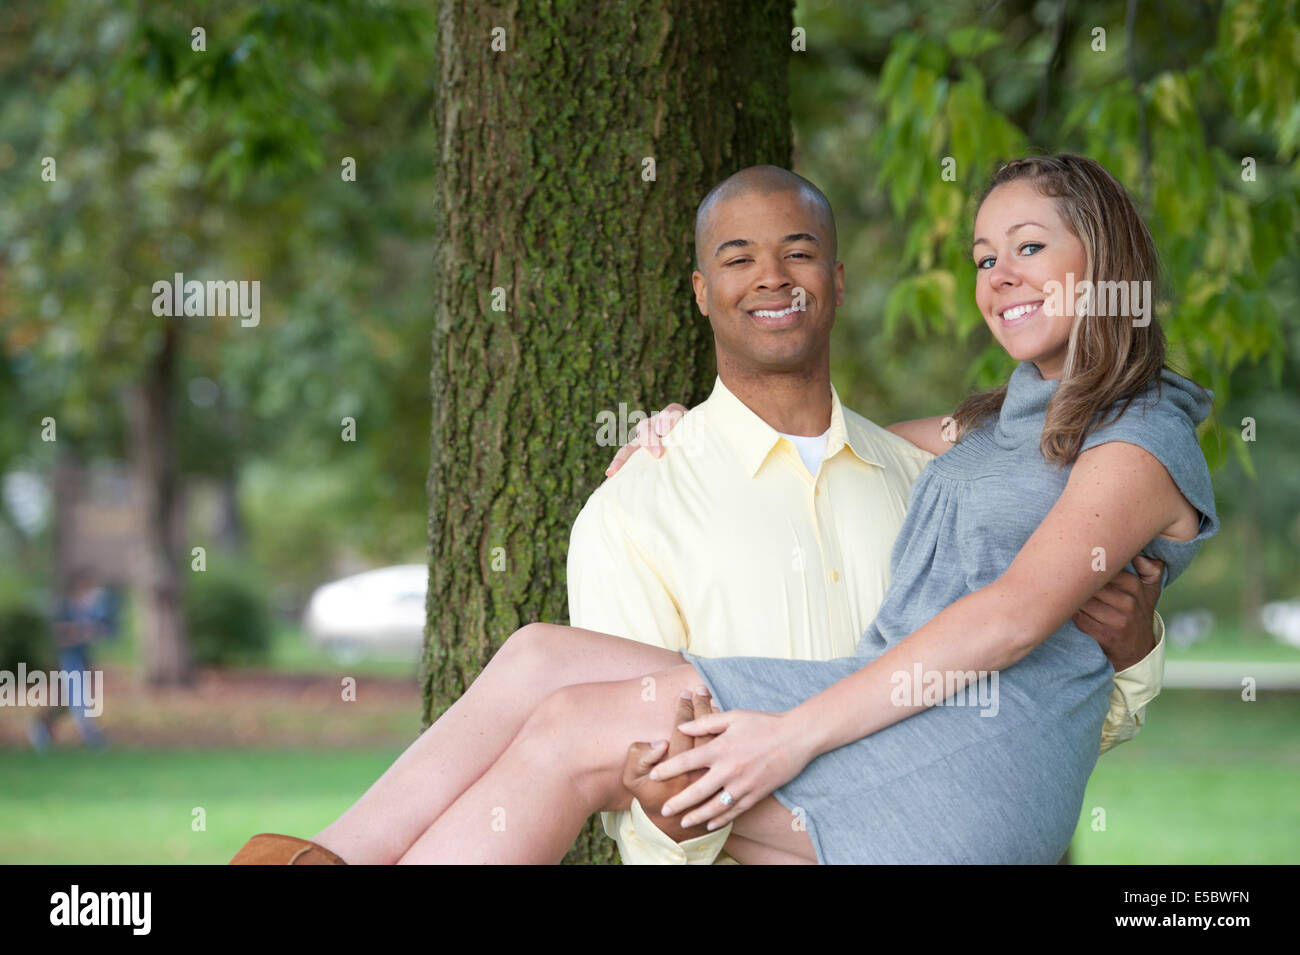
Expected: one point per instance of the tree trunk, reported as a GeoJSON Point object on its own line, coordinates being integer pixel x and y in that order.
{"type": "Point", "coordinates": [159, 582]}
{"type": "Point", "coordinates": [66, 489]}
{"type": "Point", "coordinates": [1254, 574]}
{"type": "Point", "coordinates": [541, 194]}
{"type": "Point", "coordinates": [228, 532]}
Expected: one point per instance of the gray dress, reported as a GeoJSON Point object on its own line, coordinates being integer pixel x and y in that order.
{"type": "Point", "coordinates": [947, 784]}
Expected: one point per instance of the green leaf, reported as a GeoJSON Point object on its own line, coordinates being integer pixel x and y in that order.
{"type": "Point", "coordinates": [972, 41]}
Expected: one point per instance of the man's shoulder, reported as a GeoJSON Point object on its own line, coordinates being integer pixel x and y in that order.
{"type": "Point", "coordinates": [884, 442]}
{"type": "Point", "coordinates": [637, 477]}
{"type": "Point", "coordinates": [692, 451]}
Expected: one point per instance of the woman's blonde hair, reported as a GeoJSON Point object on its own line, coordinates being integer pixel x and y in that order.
{"type": "Point", "coordinates": [1107, 358]}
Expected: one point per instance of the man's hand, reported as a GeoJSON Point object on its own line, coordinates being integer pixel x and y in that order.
{"type": "Point", "coordinates": [643, 757]}
{"type": "Point", "coordinates": [1118, 616]}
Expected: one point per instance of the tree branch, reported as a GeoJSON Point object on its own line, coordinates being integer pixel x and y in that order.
{"type": "Point", "coordinates": [1144, 134]}
{"type": "Point", "coordinates": [1051, 67]}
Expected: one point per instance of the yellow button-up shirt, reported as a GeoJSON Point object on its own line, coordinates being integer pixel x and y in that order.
{"type": "Point", "coordinates": [728, 546]}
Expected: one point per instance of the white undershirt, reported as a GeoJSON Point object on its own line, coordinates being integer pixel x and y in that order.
{"type": "Point", "coordinates": [811, 449]}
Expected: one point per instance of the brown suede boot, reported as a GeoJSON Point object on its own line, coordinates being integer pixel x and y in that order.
{"type": "Point", "coordinates": [270, 848]}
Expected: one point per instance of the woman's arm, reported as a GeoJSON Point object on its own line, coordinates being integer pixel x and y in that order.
{"type": "Point", "coordinates": [990, 629]}
{"type": "Point", "coordinates": [1049, 579]}
{"type": "Point", "coordinates": [928, 434]}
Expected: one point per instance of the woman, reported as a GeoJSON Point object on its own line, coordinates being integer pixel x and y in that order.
{"type": "Point", "coordinates": [1085, 458]}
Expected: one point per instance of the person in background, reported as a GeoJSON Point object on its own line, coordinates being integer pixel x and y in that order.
{"type": "Point", "coordinates": [82, 616]}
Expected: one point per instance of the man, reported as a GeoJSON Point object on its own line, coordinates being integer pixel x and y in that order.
{"type": "Point", "coordinates": [767, 526]}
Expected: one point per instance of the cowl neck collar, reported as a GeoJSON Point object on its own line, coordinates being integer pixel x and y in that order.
{"type": "Point", "coordinates": [1026, 402]}
{"type": "Point", "coordinates": [1028, 393]}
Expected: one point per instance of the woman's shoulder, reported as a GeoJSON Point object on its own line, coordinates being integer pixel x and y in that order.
{"type": "Point", "coordinates": [1163, 421]}
{"type": "Point", "coordinates": [1167, 411]}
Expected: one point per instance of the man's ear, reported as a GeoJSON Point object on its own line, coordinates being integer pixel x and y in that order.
{"type": "Point", "coordinates": [839, 284]}
{"type": "Point", "coordinates": [701, 292]}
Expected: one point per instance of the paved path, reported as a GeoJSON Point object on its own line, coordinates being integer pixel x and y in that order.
{"type": "Point", "coordinates": [1225, 675]}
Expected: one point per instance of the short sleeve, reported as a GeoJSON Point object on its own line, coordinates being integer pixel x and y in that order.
{"type": "Point", "coordinates": [1163, 422]}
{"type": "Point", "coordinates": [614, 587]}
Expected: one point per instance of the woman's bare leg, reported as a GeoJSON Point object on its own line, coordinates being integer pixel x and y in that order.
{"type": "Point", "coordinates": [749, 852]}
{"type": "Point", "coordinates": [460, 746]}
{"type": "Point", "coordinates": [767, 838]}
{"type": "Point", "coordinates": [567, 762]}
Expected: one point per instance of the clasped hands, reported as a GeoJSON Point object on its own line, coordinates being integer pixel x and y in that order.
{"type": "Point", "coordinates": [679, 781]}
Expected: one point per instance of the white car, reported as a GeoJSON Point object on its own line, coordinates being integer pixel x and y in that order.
{"type": "Point", "coordinates": [1282, 619]}
{"type": "Point", "coordinates": [375, 611]}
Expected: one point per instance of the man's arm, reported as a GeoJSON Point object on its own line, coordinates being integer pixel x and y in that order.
{"type": "Point", "coordinates": [1121, 617]}
{"type": "Point", "coordinates": [1135, 687]}
{"type": "Point", "coordinates": [615, 588]}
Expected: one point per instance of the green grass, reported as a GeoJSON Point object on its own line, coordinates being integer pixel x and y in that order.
{"type": "Point", "coordinates": [1209, 780]}
{"type": "Point", "coordinates": [76, 806]}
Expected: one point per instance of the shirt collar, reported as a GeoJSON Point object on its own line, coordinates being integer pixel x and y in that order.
{"type": "Point", "coordinates": [754, 439]}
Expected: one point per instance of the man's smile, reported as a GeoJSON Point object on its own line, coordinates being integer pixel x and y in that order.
{"type": "Point", "coordinates": [778, 316]}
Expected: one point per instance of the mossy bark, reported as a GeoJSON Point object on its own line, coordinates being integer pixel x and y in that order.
{"type": "Point", "coordinates": [542, 193]}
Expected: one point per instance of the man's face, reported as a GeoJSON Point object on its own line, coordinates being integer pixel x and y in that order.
{"type": "Point", "coordinates": [759, 252]}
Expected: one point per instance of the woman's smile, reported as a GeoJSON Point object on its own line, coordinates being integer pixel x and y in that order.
{"type": "Point", "coordinates": [1018, 314]}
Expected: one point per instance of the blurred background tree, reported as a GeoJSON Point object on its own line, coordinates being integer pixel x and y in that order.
{"type": "Point", "coordinates": [222, 163]}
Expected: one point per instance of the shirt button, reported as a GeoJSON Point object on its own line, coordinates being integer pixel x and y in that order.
{"type": "Point", "coordinates": [835, 576]}
{"type": "Point", "coordinates": [816, 491]}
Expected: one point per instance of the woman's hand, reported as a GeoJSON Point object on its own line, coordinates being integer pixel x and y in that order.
{"type": "Point", "coordinates": [753, 754]}
{"type": "Point", "coordinates": [643, 757]}
{"type": "Point", "coordinates": [648, 432]}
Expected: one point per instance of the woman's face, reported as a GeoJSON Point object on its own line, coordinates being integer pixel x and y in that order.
{"type": "Point", "coordinates": [1021, 245]}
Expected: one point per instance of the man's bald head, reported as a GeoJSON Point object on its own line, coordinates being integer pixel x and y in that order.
{"type": "Point", "coordinates": [761, 181]}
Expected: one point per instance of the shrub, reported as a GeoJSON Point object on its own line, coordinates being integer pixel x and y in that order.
{"type": "Point", "coordinates": [228, 617]}
{"type": "Point", "coordinates": [24, 637]}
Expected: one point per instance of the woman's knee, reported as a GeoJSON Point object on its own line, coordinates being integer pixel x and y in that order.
{"type": "Point", "coordinates": [524, 654]}
{"type": "Point", "coordinates": [525, 642]}
{"type": "Point", "coordinates": [589, 726]}
{"type": "Point", "coordinates": [557, 736]}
